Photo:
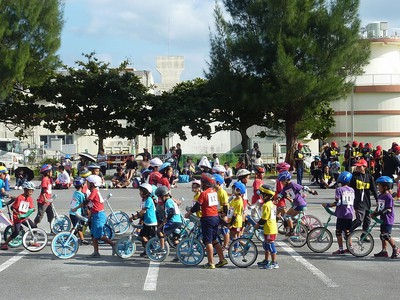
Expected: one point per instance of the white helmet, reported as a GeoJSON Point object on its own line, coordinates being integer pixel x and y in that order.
{"type": "Point", "coordinates": [95, 179]}
{"type": "Point", "coordinates": [28, 185]}
{"type": "Point", "coordinates": [242, 172]}
{"type": "Point", "coordinates": [218, 169]}
{"type": "Point", "coordinates": [156, 162]}
{"type": "Point", "coordinates": [148, 187]}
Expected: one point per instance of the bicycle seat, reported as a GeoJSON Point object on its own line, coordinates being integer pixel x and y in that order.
{"type": "Point", "coordinates": [80, 217]}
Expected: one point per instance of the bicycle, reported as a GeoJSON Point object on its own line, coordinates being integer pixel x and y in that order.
{"type": "Point", "coordinates": [243, 251]}
{"type": "Point", "coordinates": [117, 220]}
{"type": "Point", "coordinates": [249, 228]}
{"type": "Point", "coordinates": [60, 222]}
{"type": "Point", "coordinates": [361, 243]}
{"type": "Point", "coordinates": [8, 222]}
{"type": "Point", "coordinates": [154, 251]}
{"type": "Point", "coordinates": [310, 221]}
{"type": "Point", "coordinates": [300, 232]}
{"type": "Point", "coordinates": [65, 244]}
{"type": "Point", "coordinates": [126, 247]}
{"type": "Point", "coordinates": [320, 239]}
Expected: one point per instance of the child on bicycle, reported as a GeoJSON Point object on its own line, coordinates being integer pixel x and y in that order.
{"type": "Point", "coordinates": [222, 209]}
{"type": "Point", "coordinates": [45, 194]}
{"type": "Point", "coordinates": [292, 192]}
{"type": "Point", "coordinates": [21, 208]}
{"type": "Point", "coordinates": [77, 199]}
{"type": "Point", "coordinates": [268, 220]}
{"type": "Point", "coordinates": [385, 209]}
{"type": "Point", "coordinates": [344, 201]}
{"type": "Point", "coordinates": [235, 212]}
{"type": "Point", "coordinates": [280, 203]}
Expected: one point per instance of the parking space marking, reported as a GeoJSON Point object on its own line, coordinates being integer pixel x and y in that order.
{"type": "Point", "coordinates": [13, 260]}
{"type": "Point", "coordinates": [152, 274]}
{"type": "Point", "coordinates": [314, 270]}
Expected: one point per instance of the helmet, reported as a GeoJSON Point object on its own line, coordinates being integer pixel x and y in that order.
{"type": "Point", "coordinates": [198, 182]}
{"type": "Point", "coordinates": [28, 185]}
{"type": "Point", "coordinates": [219, 179]}
{"type": "Point", "coordinates": [79, 181]}
{"type": "Point", "coordinates": [361, 145]}
{"type": "Point", "coordinates": [361, 163]}
{"type": "Point", "coordinates": [299, 146]}
{"type": "Point", "coordinates": [208, 179]}
{"type": "Point", "coordinates": [3, 170]}
{"type": "Point", "coordinates": [164, 166]}
{"type": "Point", "coordinates": [85, 173]}
{"type": "Point", "coordinates": [385, 180]}
{"type": "Point", "coordinates": [156, 162]}
{"type": "Point", "coordinates": [379, 147]}
{"type": "Point", "coordinates": [240, 186]}
{"type": "Point", "coordinates": [354, 144]}
{"type": "Point", "coordinates": [218, 169]}
{"type": "Point", "coordinates": [242, 173]}
{"type": "Point", "coordinates": [162, 191]}
{"type": "Point", "coordinates": [46, 168]}
{"type": "Point", "coordinates": [259, 169]}
{"type": "Point", "coordinates": [266, 190]}
{"type": "Point", "coordinates": [317, 157]}
{"type": "Point", "coordinates": [147, 187]}
{"type": "Point", "coordinates": [345, 177]}
{"type": "Point", "coordinates": [67, 156]}
{"type": "Point", "coordinates": [96, 180]}
{"type": "Point", "coordinates": [284, 176]}
{"type": "Point", "coordinates": [283, 166]}
{"type": "Point", "coordinates": [93, 166]}
{"type": "Point", "coordinates": [334, 144]}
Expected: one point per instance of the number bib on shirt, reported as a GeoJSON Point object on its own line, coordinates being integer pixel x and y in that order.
{"type": "Point", "coordinates": [381, 205]}
{"type": "Point", "coordinates": [290, 193]}
{"type": "Point", "coordinates": [73, 203]}
{"type": "Point", "coordinates": [273, 214]}
{"type": "Point", "coordinates": [347, 198]}
{"type": "Point", "coordinates": [212, 199]}
{"type": "Point", "coordinates": [23, 206]}
{"type": "Point", "coordinates": [230, 213]}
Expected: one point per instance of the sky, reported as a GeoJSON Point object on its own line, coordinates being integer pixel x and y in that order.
{"type": "Point", "coordinates": [141, 30]}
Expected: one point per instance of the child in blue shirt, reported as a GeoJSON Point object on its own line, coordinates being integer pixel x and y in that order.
{"type": "Point", "coordinates": [77, 199]}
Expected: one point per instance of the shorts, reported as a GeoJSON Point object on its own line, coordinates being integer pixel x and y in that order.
{"type": "Point", "coordinates": [300, 208]}
{"type": "Point", "coordinates": [223, 229]}
{"type": "Point", "coordinates": [169, 228]}
{"type": "Point", "coordinates": [386, 228]}
{"type": "Point", "coordinates": [148, 231]}
{"type": "Point", "coordinates": [44, 208]}
{"type": "Point", "coordinates": [270, 237]}
{"type": "Point", "coordinates": [99, 219]}
{"type": "Point", "coordinates": [209, 228]}
{"type": "Point", "coordinates": [343, 224]}
{"type": "Point", "coordinates": [233, 229]}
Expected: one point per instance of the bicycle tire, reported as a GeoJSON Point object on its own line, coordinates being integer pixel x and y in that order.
{"type": "Point", "coordinates": [15, 242]}
{"type": "Point", "coordinates": [64, 245]}
{"type": "Point", "coordinates": [311, 222]}
{"type": "Point", "coordinates": [125, 248]}
{"type": "Point", "coordinates": [281, 226]}
{"type": "Point", "coordinates": [319, 239]}
{"type": "Point", "coordinates": [260, 235]}
{"type": "Point", "coordinates": [299, 237]}
{"type": "Point", "coordinates": [171, 241]}
{"type": "Point", "coordinates": [34, 240]}
{"type": "Point", "coordinates": [242, 252]}
{"type": "Point", "coordinates": [119, 223]}
{"type": "Point", "coordinates": [190, 251]}
{"type": "Point", "coordinates": [153, 249]}
{"type": "Point", "coordinates": [60, 224]}
{"type": "Point", "coordinates": [359, 246]}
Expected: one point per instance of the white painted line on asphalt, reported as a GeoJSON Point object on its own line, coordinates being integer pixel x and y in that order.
{"type": "Point", "coordinates": [12, 260]}
{"type": "Point", "coordinates": [314, 270]}
{"type": "Point", "coordinates": [151, 279]}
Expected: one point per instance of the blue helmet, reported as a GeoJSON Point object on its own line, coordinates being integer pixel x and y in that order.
{"type": "Point", "coordinates": [240, 186]}
{"type": "Point", "coordinates": [284, 176]}
{"type": "Point", "coordinates": [219, 179]}
{"type": "Point", "coordinates": [45, 168]}
{"type": "Point", "coordinates": [79, 181]}
{"type": "Point", "coordinates": [385, 180]}
{"type": "Point", "coordinates": [345, 177]}
{"type": "Point", "coordinates": [164, 166]}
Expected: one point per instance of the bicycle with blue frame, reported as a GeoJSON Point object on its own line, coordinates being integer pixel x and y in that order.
{"type": "Point", "coordinates": [60, 222]}
{"type": "Point", "coordinates": [126, 247]}
{"type": "Point", "coordinates": [320, 239]}
{"type": "Point", "coordinates": [8, 223]}
{"type": "Point", "coordinates": [117, 220]}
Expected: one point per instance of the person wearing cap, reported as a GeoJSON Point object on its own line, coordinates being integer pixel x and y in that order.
{"type": "Point", "coordinates": [378, 156]}
{"type": "Point", "coordinates": [299, 162]}
{"type": "Point", "coordinates": [363, 184]}
{"type": "Point", "coordinates": [102, 161]}
{"type": "Point", "coordinates": [348, 162]}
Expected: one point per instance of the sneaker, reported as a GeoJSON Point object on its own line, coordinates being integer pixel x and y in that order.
{"type": "Point", "coordinates": [381, 254]}
{"type": "Point", "coordinates": [263, 263]}
{"type": "Point", "coordinates": [20, 187]}
{"type": "Point", "coordinates": [84, 242]}
{"type": "Point", "coordinates": [275, 265]}
{"type": "Point", "coordinates": [4, 247]}
{"type": "Point", "coordinates": [268, 266]}
{"type": "Point", "coordinates": [175, 259]}
{"type": "Point", "coordinates": [395, 253]}
{"type": "Point", "coordinates": [338, 252]}
{"type": "Point", "coordinates": [289, 233]}
{"type": "Point", "coordinates": [93, 255]}
{"type": "Point", "coordinates": [143, 254]}
{"type": "Point", "coordinates": [346, 251]}
{"type": "Point", "coordinates": [221, 263]}
{"type": "Point", "coordinates": [209, 266]}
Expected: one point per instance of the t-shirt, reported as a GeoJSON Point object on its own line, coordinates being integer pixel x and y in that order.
{"type": "Point", "coordinates": [163, 181]}
{"type": "Point", "coordinates": [149, 217]}
{"type": "Point", "coordinates": [131, 164]}
{"type": "Point", "coordinates": [256, 185]}
{"type": "Point", "coordinates": [236, 209]}
{"type": "Point", "coordinates": [22, 204]}
{"type": "Point", "coordinates": [46, 186]}
{"type": "Point", "coordinates": [171, 204]}
{"type": "Point", "coordinates": [222, 198]}
{"type": "Point", "coordinates": [385, 201]}
{"type": "Point", "coordinates": [269, 215]}
{"type": "Point", "coordinates": [278, 188]}
{"type": "Point", "coordinates": [294, 191]}
{"type": "Point", "coordinates": [344, 198]}
{"type": "Point", "coordinates": [209, 203]}
{"type": "Point", "coordinates": [77, 198]}
{"type": "Point", "coordinates": [154, 177]}
{"type": "Point", "coordinates": [96, 201]}
{"type": "Point", "coordinates": [195, 199]}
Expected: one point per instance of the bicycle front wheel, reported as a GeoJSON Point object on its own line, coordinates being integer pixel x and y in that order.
{"type": "Point", "coordinates": [34, 240]}
{"type": "Point", "coordinates": [60, 224]}
{"type": "Point", "coordinates": [125, 248]}
{"type": "Point", "coordinates": [64, 245]}
{"type": "Point", "coordinates": [15, 242]}
{"type": "Point", "coordinates": [360, 243]}
{"type": "Point", "coordinates": [154, 251]}
{"type": "Point", "coordinates": [319, 239]}
{"type": "Point", "coordinates": [281, 226]}
{"type": "Point", "coordinates": [190, 251]}
{"type": "Point", "coordinates": [119, 222]}
{"type": "Point", "coordinates": [299, 237]}
{"type": "Point", "coordinates": [242, 252]}
{"type": "Point", "coordinates": [311, 222]}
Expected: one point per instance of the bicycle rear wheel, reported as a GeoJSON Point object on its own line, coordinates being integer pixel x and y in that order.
{"type": "Point", "coordinates": [319, 239]}
{"type": "Point", "coordinates": [125, 248]}
{"type": "Point", "coordinates": [299, 237]}
{"type": "Point", "coordinates": [64, 245]}
{"type": "Point", "coordinates": [311, 222]}
{"type": "Point", "coordinates": [15, 242]}
{"type": "Point", "coordinates": [360, 243]}
{"type": "Point", "coordinates": [34, 240]}
{"type": "Point", "coordinates": [190, 251]}
{"type": "Point", "coordinates": [281, 226]}
{"type": "Point", "coordinates": [60, 224]}
{"type": "Point", "coordinates": [242, 252]}
{"type": "Point", "coordinates": [119, 222]}
{"type": "Point", "coordinates": [154, 251]}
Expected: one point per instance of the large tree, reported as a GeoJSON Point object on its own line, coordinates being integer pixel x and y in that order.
{"type": "Point", "coordinates": [29, 38]}
{"type": "Point", "coordinates": [301, 53]}
{"type": "Point", "coordinates": [92, 96]}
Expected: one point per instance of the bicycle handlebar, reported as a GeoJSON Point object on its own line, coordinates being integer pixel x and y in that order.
{"type": "Point", "coordinates": [329, 211]}
{"type": "Point", "coordinates": [375, 218]}
{"type": "Point", "coordinates": [27, 214]}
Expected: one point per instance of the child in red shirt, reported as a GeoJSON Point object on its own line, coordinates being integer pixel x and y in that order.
{"type": "Point", "coordinates": [45, 195]}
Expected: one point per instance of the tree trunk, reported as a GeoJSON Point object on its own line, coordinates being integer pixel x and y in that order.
{"type": "Point", "coordinates": [290, 142]}
{"type": "Point", "coordinates": [101, 143]}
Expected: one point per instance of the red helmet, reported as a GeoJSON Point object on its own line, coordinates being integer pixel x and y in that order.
{"type": "Point", "coordinates": [45, 168]}
{"type": "Point", "coordinates": [334, 144]}
{"type": "Point", "coordinates": [361, 145]}
{"type": "Point", "coordinates": [354, 144]}
{"type": "Point", "coordinates": [208, 179]}
{"type": "Point", "coordinates": [299, 146]}
{"type": "Point", "coordinates": [259, 169]}
{"type": "Point", "coordinates": [379, 147]}
{"type": "Point", "coordinates": [283, 166]}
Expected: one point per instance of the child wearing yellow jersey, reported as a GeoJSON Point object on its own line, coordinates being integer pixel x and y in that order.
{"type": "Point", "coordinates": [268, 220]}
{"type": "Point", "coordinates": [223, 205]}
{"type": "Point", "coordinates": [235, 212]}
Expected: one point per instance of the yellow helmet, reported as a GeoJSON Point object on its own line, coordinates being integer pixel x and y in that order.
{"type": "Point", "coordinates": [3, 170]}
{"type": "Point", "coordinates": [266, 190]}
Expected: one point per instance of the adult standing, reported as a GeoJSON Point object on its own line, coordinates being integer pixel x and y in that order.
{"type": "Point", "coordinates": [102, 161]}
{"type": "Point", "coordinates": [363, 184]}
{"type": "Point", "coordinates": [178, 153]}
{"type": "Point", "coordinates": [299, 162]}
{"type": "Point", "coordinates": [146, 153]}
{"type": "Point", "coordinates": [391, 162]}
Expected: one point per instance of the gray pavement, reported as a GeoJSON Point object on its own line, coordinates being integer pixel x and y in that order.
{"type": "Point", "coordinates": [302, 273]}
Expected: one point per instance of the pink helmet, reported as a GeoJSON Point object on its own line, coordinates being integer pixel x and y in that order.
{"type": "Point", "coordinates": [283, 166]}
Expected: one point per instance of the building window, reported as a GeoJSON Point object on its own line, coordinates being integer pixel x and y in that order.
{"type": "Point", "coordinates": [67, 139]}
